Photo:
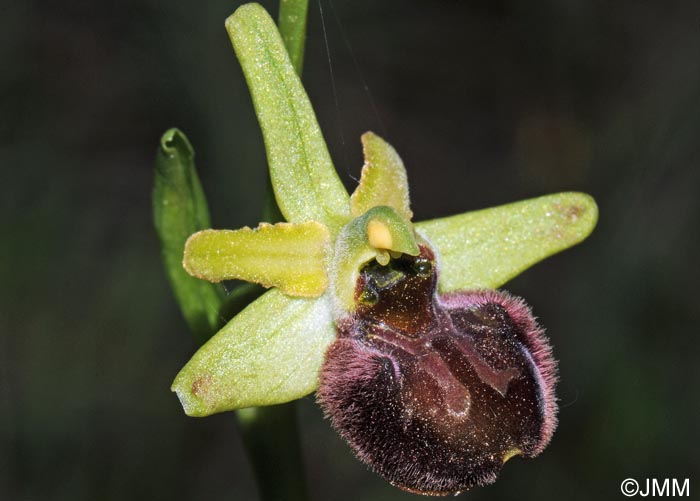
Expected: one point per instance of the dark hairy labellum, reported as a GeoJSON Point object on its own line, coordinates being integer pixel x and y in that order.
{"type": "Point", "coordinates": [436, 392]}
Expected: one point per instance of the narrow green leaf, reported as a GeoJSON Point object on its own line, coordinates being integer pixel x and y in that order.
{"type": "Point", "coordinates": [269, 353]}
{"type": "Point", "coordinates": [486, 248]}
{"type": "Point", "coordinates": [383, 180]}
{"type": "Point", "coordinates": [180, 209]}
{"type": "Point", "coordinates": [306, 185]}
{"type": "Point", "coordinates": [289, 256]}
{"type": "Point", "coordinates": [292, 24]}
{"type": "Point", "coordinates": [374, 235]}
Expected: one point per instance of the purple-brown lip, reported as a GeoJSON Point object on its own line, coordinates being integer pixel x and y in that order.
{"type": "Point", "coordinates": [435, 392]}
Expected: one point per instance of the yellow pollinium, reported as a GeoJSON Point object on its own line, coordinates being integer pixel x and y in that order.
{"type": "Point", "coordinates": [379, 235]}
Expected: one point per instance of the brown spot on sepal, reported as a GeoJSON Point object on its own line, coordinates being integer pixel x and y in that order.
{"type": "Point", "coordinates": [435, 393]}
{"type": "Point", "coordinates": [200, 386]}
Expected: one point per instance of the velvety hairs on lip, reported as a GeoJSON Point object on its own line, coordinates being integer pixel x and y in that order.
{"type": "Point", "coordinates": [436, 392]}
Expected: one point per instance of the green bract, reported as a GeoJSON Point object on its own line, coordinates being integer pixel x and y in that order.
{"type": "Point", "coordinates": [272, 351]}
{"type": "Point", "coordinates": [179, 209]}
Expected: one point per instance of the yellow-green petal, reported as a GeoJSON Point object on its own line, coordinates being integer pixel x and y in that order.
{"type": "Point", "coordinates": [268, 354]}
{"type": "Point", "coordinates": [486, 248]}
{"type": "Point", "coordinates": [306, 186]}
{"type": "Point", "coordinates": [289, 256]}
{"type": "Point", "coordinates": [383, 180]}
{"type": "Point", "coordinates": [374, 235]}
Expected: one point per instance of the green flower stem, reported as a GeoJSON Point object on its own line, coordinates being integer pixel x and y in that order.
{"type": "Point", "coordinates": [292, 26]}
{"type": "Point", "coordinates": [270, 433]}
{"type": "Point", "coordinates": [271, 439]}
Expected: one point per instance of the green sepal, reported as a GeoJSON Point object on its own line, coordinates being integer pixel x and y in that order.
{"type": "Point", "coordinates": [289, 256]}
{"type": "Point", "coordinates": [353, 249]}
{"type": "Point", "coordinates": [180, 209]}
{"type": "Point", "coordinates": [383, 180]}
{"type": "Point", "coordinates": [486, 248]}
{"type": "Point", "coordinates": [306, 186]}
{"type": "Point", "coordinates": [268, 354]}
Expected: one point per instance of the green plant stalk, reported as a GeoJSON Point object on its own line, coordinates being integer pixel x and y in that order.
{"type": "Point", "coordinates": [292, 26]}
{"type": "Point", "coordinates": [271, 439]}
{"type": "Point", "coordinates": [270, 433]}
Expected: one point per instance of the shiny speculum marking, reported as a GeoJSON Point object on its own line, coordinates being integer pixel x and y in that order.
{"type": "Point", "coordinates": [435, 392]}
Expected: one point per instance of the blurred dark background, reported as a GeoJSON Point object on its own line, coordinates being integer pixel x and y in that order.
{"type": "Point", "coordinates": [487, 101]}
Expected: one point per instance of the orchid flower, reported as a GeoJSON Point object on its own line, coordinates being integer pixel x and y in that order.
{"type": "Point", "coordinates": [378, 310]}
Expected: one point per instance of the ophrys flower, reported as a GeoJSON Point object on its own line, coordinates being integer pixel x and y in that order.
{"type": "Point", "coordinates": [433, 379]}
